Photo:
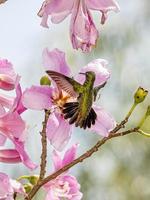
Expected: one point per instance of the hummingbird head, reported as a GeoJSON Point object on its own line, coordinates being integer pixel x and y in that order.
{"type": "Point", "coordinates": [90, 75]}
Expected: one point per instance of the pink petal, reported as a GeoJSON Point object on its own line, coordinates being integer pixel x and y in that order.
{"type": "Point", "coordinates": [2, 139]}
{"type": "Point", "coordinates": [59, 10]}
{"type": "Point", "coordinates": [70, 155]}
{"type": "Point", "coordinates": [104, 6]}
{"type": "Point", "coordinates": [57, 18]}
{"type": "Point", "coordinates": [6, 68]}
{"type": "Point", "coordinates": [44, 19]}
{"type": "Point", "coordinates": [74, 186]}
{"type": "Point", "coordinates": [9, 156]}
{"type": "Point", "coordinates": [99, 67]}
{"type": "Point", "coordinates": [58, 131]}
{"type": "Point", "coordinates": [8, 187]}
{"type": "Point", "coordinates": [8, 77]}
{"type": "Point", "coordinates": [52, 125]}
{"type": "Point", "coordinates": [104, 122]}
{"type": "Point", "coordinates": [12, 123]}
{"type": "Point", "coordinates": [55, 60]}
{"type": "Point", "coordinates": [5, 186]}
{"type": "Point", "coordinates": [2, 110]}
{"type": "Point", "coordinates": [23, 155]}
{"type": "Point", "coordinates": [56, 160]}
{"type": "Point", "coordinates": [83, 32]}
{"type": "Point", "coordinates": [6, 82]}
{"type": "Point", "coordinates": [17, 104]}
{"type": "Point", "coordinates": [13, 104]}
{"type": "Point", "coordinates": [50, 195]}
{"type": "Point", "coordinates": [37, 97]}
{"type": "Point", "coordinates": [6, 101]}
{"type": "Point", "coordinates": [17, 187]}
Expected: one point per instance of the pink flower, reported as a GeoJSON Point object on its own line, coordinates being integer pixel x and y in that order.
{"type": "Point", "coordinates": [58, 129]}
{"type": "Point", "coordinates": [64, 186]}
{"type": "Point", "coordinates": [8, 78]}
{"type": "Point", "coordinates": [12, 104]}
{"type": "Point", "coordinates": [12, 126]}
{"type": "Point", "coordinates": [83, 32]}
{"type": "Point", "coordinates": [8, 187]}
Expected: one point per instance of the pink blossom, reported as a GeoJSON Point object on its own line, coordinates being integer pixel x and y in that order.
{"type": "Point", "coordinates": [64, 186]}
{"type": "Point", "coordinates": [83, 32]}
{"type": "Point", "coordinates": [12, 126]}
{"type": "Point", "coordinates": [11, 103]}
{"type": "Point", "coordinates": [58, 129]}
{"type": "Point", "coordinates": [8, 187]}
{"type": "Point", "coordinates": [8, 77]}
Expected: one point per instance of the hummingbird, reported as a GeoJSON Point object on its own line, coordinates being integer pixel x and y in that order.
{"type": "Point", "coordinates": [79, 112]}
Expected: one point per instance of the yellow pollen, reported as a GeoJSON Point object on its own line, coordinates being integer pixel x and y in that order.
{"type": "Point", "coordinates": [61, 98]}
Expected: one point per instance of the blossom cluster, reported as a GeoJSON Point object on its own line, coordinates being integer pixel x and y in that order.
{"type": "Point", "coordinates": [58, 131]}
{"type": "Point", "coordinates": [52, 98]}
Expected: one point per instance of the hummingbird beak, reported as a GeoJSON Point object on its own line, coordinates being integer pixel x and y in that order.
{"type": "Point", "coordinates": [82, 73]}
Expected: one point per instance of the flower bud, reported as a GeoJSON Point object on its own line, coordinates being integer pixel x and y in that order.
{"type": "Point", "coordinates": [45, 81]}
{"type": "Point", "coordinates": [28, 187]}
{"type": "Point", "coordinates": [33, 179]}
{"type": "Point", "coordinates": [140, 95]}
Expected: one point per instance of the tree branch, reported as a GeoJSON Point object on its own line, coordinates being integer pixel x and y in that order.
{"type": "Point", "coordinates": [44, 147]}
{"type": "Point", "coordinates": [43, 154]}
{"type": "Point", "coordinates": [84, 156]}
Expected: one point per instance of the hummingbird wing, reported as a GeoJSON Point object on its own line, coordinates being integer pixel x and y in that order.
{"type": "Point", "coordinates": [65, 83]}
{"type": "Point", "coordinates": [97, 88]}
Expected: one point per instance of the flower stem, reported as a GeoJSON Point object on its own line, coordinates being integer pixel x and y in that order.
{"type": "Point", "coordinates": [122, 123]}
{"type": "Point", "coordinates": [144, 133]}
{"type": "Point", "coordinates": [131, 110]}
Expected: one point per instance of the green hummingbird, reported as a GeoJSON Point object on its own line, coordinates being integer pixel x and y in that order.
{"type": "Point", "coordinates": [80, 112]}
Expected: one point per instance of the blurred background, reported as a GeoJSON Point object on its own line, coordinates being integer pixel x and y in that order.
{"type": "Point", "coordinates": [121, 169]}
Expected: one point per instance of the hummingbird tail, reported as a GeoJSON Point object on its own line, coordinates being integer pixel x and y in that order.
{"type": "Point", "coordinates": [71, 111]}
{"type": "Point", "coordinates": [89, 121]}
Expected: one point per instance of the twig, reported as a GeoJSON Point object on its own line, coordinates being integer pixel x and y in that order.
{"type": "Point", "coordinates": [84, 156]}
{"type": "Point", "coordinates": [122, 123]}
{"type": "Point", "coordinates": [44, 147]}
{"type": "Point", "coordinates": [44, 153]}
